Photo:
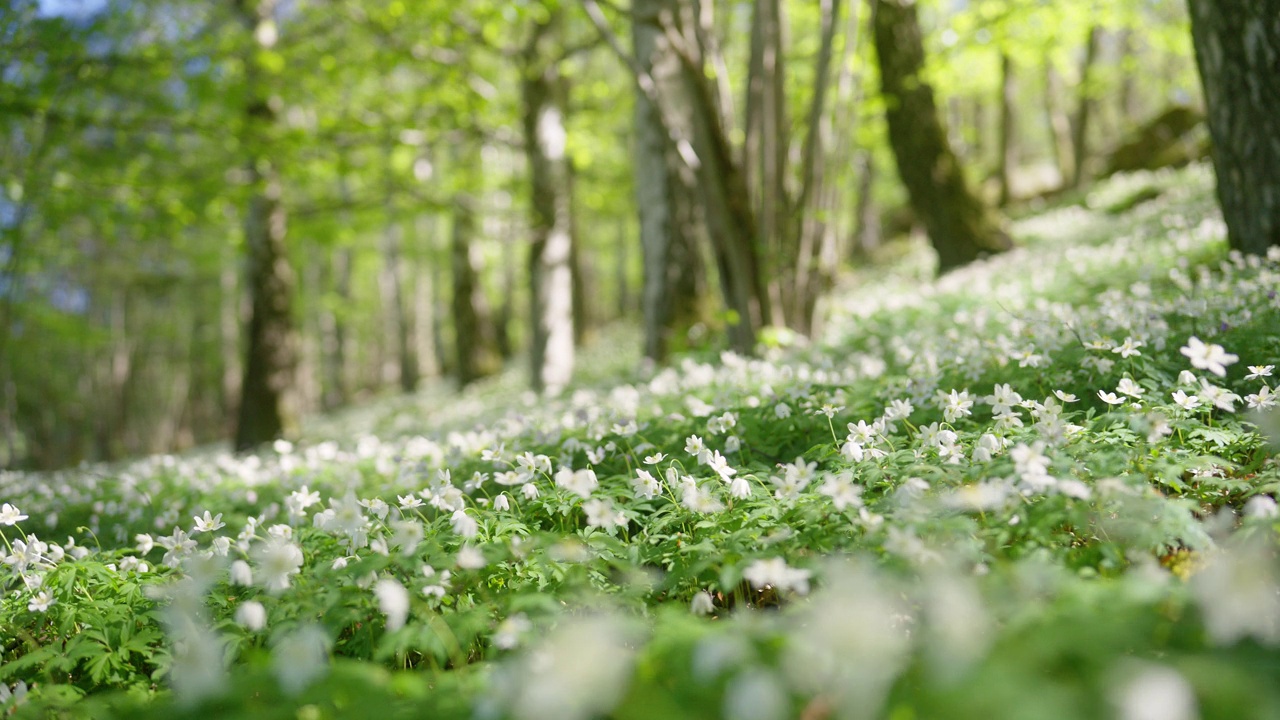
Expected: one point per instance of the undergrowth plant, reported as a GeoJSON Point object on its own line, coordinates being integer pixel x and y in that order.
{"type": "Point", "coordinates": [1040, 487]}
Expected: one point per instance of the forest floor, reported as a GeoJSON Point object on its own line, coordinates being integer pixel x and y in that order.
{"type": "Point", "coordinates": [1041, 486]}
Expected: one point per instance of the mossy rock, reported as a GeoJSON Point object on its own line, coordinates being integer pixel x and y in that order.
{"type": "Point", "coordinates": [1173, 138]}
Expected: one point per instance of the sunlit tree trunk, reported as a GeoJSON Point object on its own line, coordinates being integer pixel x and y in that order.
{"type": "Point", "coordinates": [960, 226]}
{"type": "Point", "coordinates": [1237, 45]}
{"type": "Point", "coordinates": [267, 403]}
{"type": "Point", "coordinates": [551, 249]}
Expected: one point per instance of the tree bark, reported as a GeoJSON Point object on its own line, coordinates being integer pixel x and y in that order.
{"type": "Point", "coordinates": [424, 303]}
{"type": "Point", "coordinates": [1084, 108]}
{"type": "Point", "coordinates": [475, 346]}
{"type": "Point", "coordinates": [1237, 45]}
{"type": "Point", "coordinates": [812, 264]}
{"type": "Point", "coordinates": [268, 408]}
{"type": "Point", "coordinates": [1059, 124]}
{"type": "Point", "coordinates": [725, 199]}
{"type": "Point", "coordinates": [670, 291]}
{"type": "Point", "coordinates": [399, 323]}
{"type": "Point", "coordinates": [551, 249]}
{"type": "Point", "coordinates": [960, 226]}
{"type": "Point", "coordinates": [764, 165]}
{"type": "Point", "coordinates": [1008, 128]}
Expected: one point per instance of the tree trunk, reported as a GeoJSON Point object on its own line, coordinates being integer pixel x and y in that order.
{"type": "Point", "coordinates": [268, 408]}
{"type": "Point", "coordinates": [866, 221]}
{"type": "Point", "coordinates": [1008, 128]}
{"type": "Point", "coordinates": [1237, 44]}
{"type": "Point", "coordinates": [333, 329]}
{"type": "Point", "coordinates": [960, 226]}
{"type": "Point", "coordinates": [475, 347]}
{"type": "Point", "coordinates": [811, 267]}
{"type": "Point", "coordinates": [581, 269]}
{"type": "Point", "coordinates": [621, 276]}
{"type": "Point", "coordinates": [1059, 124]}
{"type": "Point", "coordinates": [399, 324]}
{"type": "Point", "coordinates": [1129, 101]}
{"type": "Point", "coordinates": [551, 250]}
{"type": "Point", "coordinates": [424, 303]}
{"type": "Point", "coordinates": [1084, 108]}
{"type": "Point", "coordinates": [669, 293]}
{"type": "Point", "coordinates": [764, 166]}
{"type": "Point", "coordinates": [723, 191]}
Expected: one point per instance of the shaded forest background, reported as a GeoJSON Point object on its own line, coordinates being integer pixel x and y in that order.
{"type": "Point", "coordinates": [218, 217]}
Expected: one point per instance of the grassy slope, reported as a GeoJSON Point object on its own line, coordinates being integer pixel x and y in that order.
{"type": "Point", "coordinates": [1067, 560]}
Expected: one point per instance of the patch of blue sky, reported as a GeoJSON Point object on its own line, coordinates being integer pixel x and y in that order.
{"type": "Point", "coordinates": [72, 9]}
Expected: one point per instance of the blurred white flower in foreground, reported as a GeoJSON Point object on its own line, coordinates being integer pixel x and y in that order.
{"type": "Point", "coordinates": [849, 641]}
{"type": "Point", "coordinates": [579, 671]}
{"type": "Point", "coordinates": [756, 695]}
{"type": "Point", "coordinates": [300, 658]}
{"type": "Point", "coordinates": [1155, 692]}
{"type": "Point", "coordinates": [393, 601]}
{"type": "Point", "coordinates": [774, 572]}
{"type": "Point", "coordinates": [251, 615]}
{"type": "Point", "coordinates": [1239, 593]}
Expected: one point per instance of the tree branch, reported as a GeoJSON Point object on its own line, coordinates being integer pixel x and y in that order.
{"type": "Point", "coordinates": [645, 84]}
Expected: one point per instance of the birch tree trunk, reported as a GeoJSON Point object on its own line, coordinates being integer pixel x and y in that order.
{"type": "Point", "coordinates": [268, 408]}
{"type": "Point", "coordinates": [960, 226]}
{"type": "Point", "coordinates": [1237, 44]}
{"type": "Point", "coordinates": [551, 249]}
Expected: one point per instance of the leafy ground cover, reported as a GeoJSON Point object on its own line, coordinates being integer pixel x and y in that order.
{"type": "Point", "coordinates": [1040, 487]}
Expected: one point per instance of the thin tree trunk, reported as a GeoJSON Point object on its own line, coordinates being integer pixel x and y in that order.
{"type": "Point", "coordinates": [813, 265]}
{"type": "Point", "coordinates": [424, 315]}
{"type": "Point", "coordinates": [725, 200]}
{"type": "Point", "coordinates": [551, 249]}
{"type": "Point", "coordinates": [866, 221]}
{"type": "Point", "coordinates": [1008, 128]}
{"type": "Point", "coordinates": [404, 365]}
{"type": "Point", "coordinates": [621, 276]}
{"type": "Point", "coordinates": [656, 178]}
{"type": "Point", "coordinates": [1128, 100]}
{"type": "Point", "coordinates": [764, 164]}
{"type": "Point", "coordinates": [1059, 124]}
{"type": "Point", "coordinates": [1084, 108]}
{"type": "Point", "coordinates": [581, 269]}
{"type": "Point", "coordinates": [961, 227]}
{"type": "Point", "coordinates": [1237, 45]}
{"type": "Point", "coordinates": [475, 346]}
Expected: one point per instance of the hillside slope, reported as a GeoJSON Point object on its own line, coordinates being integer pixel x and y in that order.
{"type": "Point", "coordinates": [1034, 488]}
